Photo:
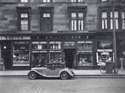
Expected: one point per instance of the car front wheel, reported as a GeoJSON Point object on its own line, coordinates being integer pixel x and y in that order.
{"type": "Point", "coordinates": [64, 75]}
{"type": "Point", "coordinates": [32, 75]}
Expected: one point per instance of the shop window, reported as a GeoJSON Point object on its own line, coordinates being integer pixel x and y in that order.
{"type": "Point", "coordinates": [85, 53]}
{"type": "Point", "coordinates": [55, 45]}
{"type": "Point", "coordinates": [46, 19]}
{"type": "Point", "coordinates": [104, 44]}
{"type": "Point", "coordinates": [21, 53]}
{"type": "Point", "coordinates": [23, 18]}
{"type": "Point", "coordinates": [85, 59]}
{"type": "Point", "coordinates": [55, 56]}
{"type": "Point", "coordinates": [39, 45]}
{"type": "Point", "coordinates": [39, 59]}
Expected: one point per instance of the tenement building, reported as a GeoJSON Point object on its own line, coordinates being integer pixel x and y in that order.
{"type": "Point", "coordinates": [75, 32]}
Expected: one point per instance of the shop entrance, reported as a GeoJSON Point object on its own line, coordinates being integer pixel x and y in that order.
{"type": "Point", "coordinates": [6, 53]}
{"type": "Point", "coordinates": [69, 57]}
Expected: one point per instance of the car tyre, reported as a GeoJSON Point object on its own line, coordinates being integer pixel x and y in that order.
{"type": "Point", "coordinates": [64, 75]}
{"type": "Point", "coordinates": [32, 75]}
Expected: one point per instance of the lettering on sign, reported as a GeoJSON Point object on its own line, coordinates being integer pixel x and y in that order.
{"type": "Point", "coordinates": [69, 44]}
{"type": "Point", "coordinates": [14, 37]}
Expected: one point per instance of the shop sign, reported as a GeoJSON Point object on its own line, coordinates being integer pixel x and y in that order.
{"type": "Point", "coordinates": [84, 46]}
{"type": "Point", "coordinates": [69, 44]}
{"type": "Point", "coordinates": [15, 38]}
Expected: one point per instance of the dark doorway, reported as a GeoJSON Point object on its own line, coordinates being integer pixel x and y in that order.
{"type": "Point", "coordinates": [69, 57]}
{"type": "Point", "coordinates": [6, 54]}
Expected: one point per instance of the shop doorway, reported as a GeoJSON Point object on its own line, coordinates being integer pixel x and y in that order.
{"type": "Point", "coordinates": [6, 53]}
{"type": "Point", "coordinates": [69, 57]}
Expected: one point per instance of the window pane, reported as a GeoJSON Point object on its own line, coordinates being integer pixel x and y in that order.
{"type": "Point", "coordinates": [46, 0]}
{"type": "Point", "coordinates": [73, 25]}
{"type": "Point", "coordinates": [73, 15]}
{"type": "Point", "coordinates": [24, 0]}
{"type": "Point", "coordinates": [104, 20]}
{"type": "Point", "coordinates": [123, 20]}
{"type": "Point", "coordinates": [104, 14]}
{"type": "Point", "coordinates": [24, 15]}
{"type": "Point", "coordinates": [46, 14]}
{"type": "Point", "coordinates": [73, 0]}
{"type": "Point", "coordinates": [80, 25]}
{"type": "Point", "coordinates": [80, 15]}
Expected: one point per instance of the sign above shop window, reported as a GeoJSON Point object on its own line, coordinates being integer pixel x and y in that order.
{"type": "Point", "coordinates": [15, 38]}
{"type": "Point", "coordinates": [69, 44]}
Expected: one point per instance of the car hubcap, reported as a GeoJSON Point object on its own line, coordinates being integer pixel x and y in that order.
{"type": "Point", "coordinates": [64, 75]}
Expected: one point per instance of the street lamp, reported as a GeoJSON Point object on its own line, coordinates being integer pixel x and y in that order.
{"type": "Point", "coordinates": [114, 37]}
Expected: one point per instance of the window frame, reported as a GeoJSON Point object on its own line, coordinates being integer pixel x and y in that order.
{"type": "Point", "coordinates": [108, 10]}
{"type": "Point", "coordinates": [21, 10]}
{"type": "Point", "coordinates": [77, 10]}
{"type": "Point", "coordinates": [46, 10]}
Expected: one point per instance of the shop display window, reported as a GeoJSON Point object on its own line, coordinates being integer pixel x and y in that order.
{"type": "Point", "coordinates": [85, 46]}
{"type": "Point", "coordinates": [21, 59]}
{"type": "Point", "coordinates": [39, 45]}
{"type": "Point", "coordinates": [107, 44]}
{"type": "Point", "coordinates": [39, 59]}
{"type": "Point", "coordinates": [55, 45]}
{"type": "Point", "coordinates": [104, 57]}
{"type": "Point", "coordinates": [85, 53]}
{"type": "Point", "coordinates": [55, 56]}
{"type": "Point", "coordinates": [21, 53]}
{"type": "Point", "coordinates": [85, 59]}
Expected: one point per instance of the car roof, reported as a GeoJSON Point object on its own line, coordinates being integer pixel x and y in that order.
{"type": "Point", "coordinates": [55, 63]}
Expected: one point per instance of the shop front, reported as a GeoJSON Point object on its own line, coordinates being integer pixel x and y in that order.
{"type": "Point", "coordinates": [15, 51]}
{"type": "Point", "coordinates": [76, 51]}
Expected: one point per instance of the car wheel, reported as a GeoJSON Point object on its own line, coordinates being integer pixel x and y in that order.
{"type": "Point", "coordinates": [64, 75]}
{"type": "Point", "coordinates": [32, 75]}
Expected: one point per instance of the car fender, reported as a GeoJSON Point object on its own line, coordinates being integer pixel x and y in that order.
{"type": "Point", "coordinates": [67, 70]}
{"type": "Point", "coordinates": [37, 72]}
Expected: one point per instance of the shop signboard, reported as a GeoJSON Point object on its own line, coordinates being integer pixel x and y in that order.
{"type": "Point", "coordinates": [69, 44]}
{"type": "Point", "coordinates": [15, 38]}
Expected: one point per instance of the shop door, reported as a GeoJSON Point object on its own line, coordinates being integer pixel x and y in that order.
{"type": "Point", "coordinates": [6, 54]}
{"type": "Point", "coordinates": [69, 57]}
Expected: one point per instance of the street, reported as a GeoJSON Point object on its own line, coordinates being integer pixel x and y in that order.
{"type": "Point", "coordinates": [76, 85]}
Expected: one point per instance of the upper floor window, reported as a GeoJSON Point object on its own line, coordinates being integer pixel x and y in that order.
{"type": "Point", "coordinates": [46, 19]}
{"type": "Point", "coordinates": [24, 1]}
{"type": "Point", "coordinates": [24, 21]}
{"type": "Point", "coordinates": [77, 21]}
{"type": "Point", "coordinates": [77, 0]}
{"type": "Point", "coordinates": [123, 19]}
{"type": "Point", "coordinates": [46, 1]}
{"type": "Point", "coordinates": [104, 20]}
{"type": "Point", "coordinates": [23, 18]}
{"type": "Point", "coordinates": [107, 19]}
{"type": "Point", "coordinates": [115, 19]}
{"type": "Point", "coordinates": [104, 0]}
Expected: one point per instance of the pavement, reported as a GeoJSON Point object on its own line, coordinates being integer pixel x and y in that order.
{"type": "Point", "coordinates": [78, 73]}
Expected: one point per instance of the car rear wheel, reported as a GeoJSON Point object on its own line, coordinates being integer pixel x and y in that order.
{"type": "Point", "coordinates": [32, 75]}
{"type": "Point", "coordinates": [64, 75]}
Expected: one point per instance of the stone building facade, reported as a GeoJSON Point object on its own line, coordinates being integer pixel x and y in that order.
{"type": "Point", "coordinates": [76, 32]}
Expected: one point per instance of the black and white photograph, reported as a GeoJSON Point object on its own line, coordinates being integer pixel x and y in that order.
{"type": "Point", "coordinates": [62, 46]}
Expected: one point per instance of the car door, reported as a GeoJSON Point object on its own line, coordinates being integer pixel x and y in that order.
{"type": "Point", "coordinates": [52, 71]}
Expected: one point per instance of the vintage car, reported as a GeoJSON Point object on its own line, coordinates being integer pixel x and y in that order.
{"type": "Point", "coordinates": [52, 70]}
